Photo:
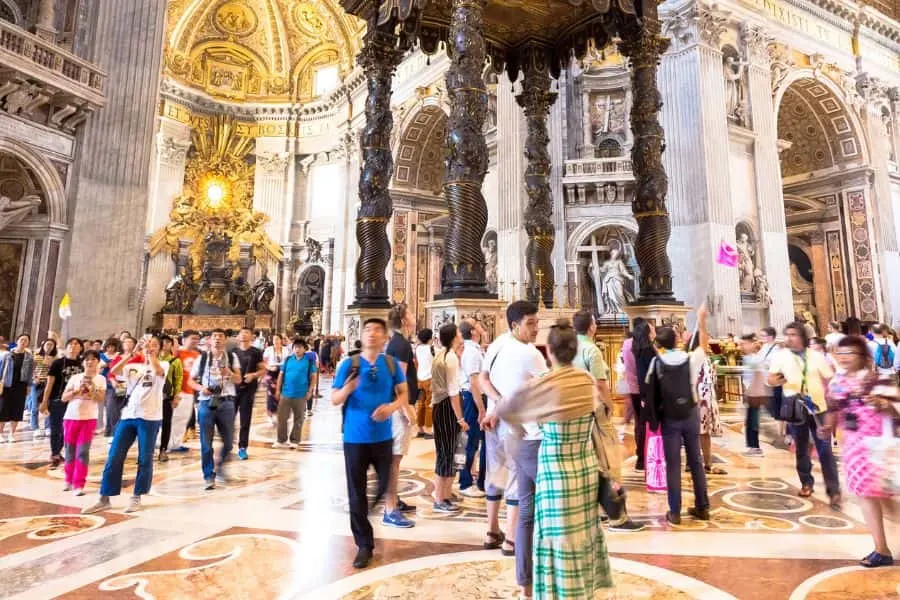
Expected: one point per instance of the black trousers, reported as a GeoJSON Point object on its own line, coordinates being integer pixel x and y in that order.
{"type": "Point", "coordinates": [244, 400]}
{"type": "Point", "coordinates": [357, 458]}
{"type": "Point", "coordinates": [166, 425]}
{"type": "Point", "coordinates": [640, 431]}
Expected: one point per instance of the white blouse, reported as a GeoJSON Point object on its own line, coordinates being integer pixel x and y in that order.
{"type": "Point", "coordinates": [273, 359]}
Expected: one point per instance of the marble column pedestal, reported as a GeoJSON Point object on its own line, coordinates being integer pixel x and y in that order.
{"type": "Point", "coordinates": [355, 316]}
{"type": "Point", "coordinates": [547, 317]}
{"type": "Point", "coordinates": [490, 313]}
{"type": "Point", "coordinates": [660, 314]}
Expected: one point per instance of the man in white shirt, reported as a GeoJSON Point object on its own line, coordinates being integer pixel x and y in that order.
{"type": "Point", "coordinates": [883, 351]}
{"type": "Point", "coordinates": [834, 335]}
{"type": "Point", "coordinates": [509, 363]}
{"type": "Point", "coordinates": [473, 406]}
{"type": "Point", "coordinates": [140, 419]}
{"type": "Point", "coordinates": [804, 374]}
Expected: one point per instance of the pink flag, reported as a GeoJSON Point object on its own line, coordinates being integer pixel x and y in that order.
{"type": "Point", "coordinates": [728, 255]}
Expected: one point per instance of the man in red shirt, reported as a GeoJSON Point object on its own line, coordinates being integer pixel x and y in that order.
{"type": "Point", "coordinates": [183, 404]}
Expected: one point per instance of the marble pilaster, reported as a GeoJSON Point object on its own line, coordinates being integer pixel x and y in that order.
{"type": "Point", "coordinates": [888, 259]}
{"type": "Point", "coordinates": [173, 140]}
{"type": "Point", "coordinates": [273, 188]}
{"type": "Point", "coordinates": [769, 190]}
{"type": "Point", "coordinates": [110, 204]}
{"type": "Point", "coordinates": [345, 249]}
{"type": "Point", "coordinates": [697, 163]}
{"type": "Point", "coordinates": [558, 134]}
{"type": "Point", "coordinates": [328, 292]}
{"type": "Point", "coordinates": [511, 238]}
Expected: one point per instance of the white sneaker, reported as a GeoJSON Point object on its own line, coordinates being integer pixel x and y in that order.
{"type": "Point", "coordinates": [68, 487]}
{"type": "Point", "coordinates": [11, 439]}
{"type": "Point", "coordinates": [37, 435]}
{"type": "Point", "coordinates": [282, 446]}
{"type": "Point", "coordinates": [134, 504]}
{"type": "Point", "coordinates": [472, 492]}
{"type": "Point", "coordinates": [79, 492]}
{"type": "Point", "coordinates": [101, 505]}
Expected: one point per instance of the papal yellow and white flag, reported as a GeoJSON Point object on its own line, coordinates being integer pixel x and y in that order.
{"type": "Point", "coordinates": [65, 308]}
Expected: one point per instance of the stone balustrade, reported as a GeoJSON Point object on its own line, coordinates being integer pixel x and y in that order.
{"type": "Point", "coordinates": [598, 181]}
{"type": "Point", "coordinates": [45, 83]}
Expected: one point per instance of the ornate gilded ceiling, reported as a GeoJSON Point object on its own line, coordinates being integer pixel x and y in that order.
{"type": "Point", "coordinates": [815, 122]}
{"type": "Point", "coordinates": [258, 50]}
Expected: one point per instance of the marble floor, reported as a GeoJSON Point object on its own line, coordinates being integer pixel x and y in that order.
{"type": "Point", "coordinates": [277, 528]}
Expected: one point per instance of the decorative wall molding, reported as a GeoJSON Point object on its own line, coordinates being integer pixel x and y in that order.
{"type": "Point", "coordinates": [273, 163]}
{"type": "Point", "coordinates": [172, 151]}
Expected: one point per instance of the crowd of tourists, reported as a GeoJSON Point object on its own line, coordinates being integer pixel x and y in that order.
{"type": "Point", "coordinates": [537, 422]}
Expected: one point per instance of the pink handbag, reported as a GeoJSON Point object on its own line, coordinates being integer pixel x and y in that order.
{"type": "Point", "coordinates": [655, 461]}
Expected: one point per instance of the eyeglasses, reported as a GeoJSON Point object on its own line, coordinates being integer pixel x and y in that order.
{"type": "Point", "coordinates": [848, 353]}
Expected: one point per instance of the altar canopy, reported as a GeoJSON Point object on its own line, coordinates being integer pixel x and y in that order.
{"type": "Point", "coordinates": [536, 40]}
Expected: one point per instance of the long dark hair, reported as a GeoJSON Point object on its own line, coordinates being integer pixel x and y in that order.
{"type": "Point", "coordinates": [447, 334]}
{"type": "Point", "coordinates": [642, 340]}
{"type": "Point", "coordinates": [53, 352]}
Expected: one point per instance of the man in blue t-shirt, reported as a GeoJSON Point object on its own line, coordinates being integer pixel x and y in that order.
{"type": "Point", "coordinates": [294, 388]}
{"type": "Point", "coordinates": [373, 391]}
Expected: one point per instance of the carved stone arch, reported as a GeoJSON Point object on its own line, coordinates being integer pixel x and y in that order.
{"type": "Point", "coordinates": [839, 119]}
{"type": "Point", "coordinates": [52, 188]}
{"type": "Point", "coordinates": [310, 288]}
{"type": "Point", "coordinates": [419, 157]}
{"type": "Point", "coordinates": [10, 11]}
{"type": "Point", "coordinates": [407, 118]}
{"type": "Point", "coordinates": [580, 234]}
{"type": "Point", "coordinates": [303, 74]}
{"type": "Point", "coordinates": [611, 146]}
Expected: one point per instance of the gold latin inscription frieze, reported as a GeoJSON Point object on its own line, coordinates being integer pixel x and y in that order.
{"type": "Point", "coordinates": [804, 23]}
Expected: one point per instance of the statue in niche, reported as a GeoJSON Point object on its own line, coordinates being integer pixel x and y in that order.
{"type": "Point", "coordinates": [611, 291]}
{"type": "Point", "coordinates": [761, 288]}
{"type": "Point", "coordinates": [735, 93]}
{"type": "Point", "coordinates": [746, 266]}
{"type": "Point", "coordinates": [610, 192]}
{"type": "Point", "coordinates": [241, 296]}
{"type": "Point", "coordinates": [263, 294]}
{"type": "Point", "coordinates": [799, 284]}
{"type": "Point", "coordinates": [313, 251]}
{"type": "Point", "coordinates": [490, 261]}
{"type": "Point", "coordinates": [14, 211]}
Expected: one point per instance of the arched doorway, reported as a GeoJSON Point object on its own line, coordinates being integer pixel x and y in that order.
{"type": "Point", "coordinates": [30, 240]}
{"type": "Point", "coordinates": [834, 274]}
{"type": "Point", "coordinates": [309, 299]}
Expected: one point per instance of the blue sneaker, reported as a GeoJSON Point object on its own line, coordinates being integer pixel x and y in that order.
{"type": "Point", "coordinates": [242, 454]}
{"type": "Point", "coordinates": [396, 519]}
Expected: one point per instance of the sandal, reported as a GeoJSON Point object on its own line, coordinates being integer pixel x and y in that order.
{"type": "Point", "coordinates": [877, 560]}
{"type": "Point", "coordinates": [497, 538]}
{"type": "Point", "coordinates": [506, 552]}
{"type": "Point", "coordinates": [715, 471]}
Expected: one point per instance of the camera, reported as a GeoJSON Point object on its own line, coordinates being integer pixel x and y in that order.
{"type": "Point", "coordinates": [215, 390]}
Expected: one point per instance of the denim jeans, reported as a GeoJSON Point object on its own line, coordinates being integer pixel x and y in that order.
{"type": "Point", "coordinates": [751, 427]}
{"type": "Point", "coordinates": [57, 412]}
{"type": "Point", "coordinates": [113, 410]}
{"type": "Point", "coordinates": [209, 420]}
{"type": "Point", "coordinates": [687, 432]}
{"type": "Point", "coordinates": [470, 414]}
{"type": "Point", "coordinates": [34, 405]}
{"type": "Point", "coordinates": [127, 431]}
{"type": "Point", "coordinates": [801, 435]}
{"type": "Point", "coordinates": [526, 468]}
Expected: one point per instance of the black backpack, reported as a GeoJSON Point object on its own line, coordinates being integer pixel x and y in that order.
{"type": "Point", "coordinates": [676, 389]}
{"type": "Point", "coordinates": [354, 368]}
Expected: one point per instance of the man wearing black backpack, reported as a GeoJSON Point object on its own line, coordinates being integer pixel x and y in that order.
{"type": "Point", "coordinates": [672, 402]}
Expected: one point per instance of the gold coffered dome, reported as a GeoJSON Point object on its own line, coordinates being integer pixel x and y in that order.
{"type": "Point", "coordinates": [260, 50]}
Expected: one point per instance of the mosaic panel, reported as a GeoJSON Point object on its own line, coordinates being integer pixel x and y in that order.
{"type": "Point", "coordinates": [398, 269]}
{"type": "Point", "coordinates": [857, 224]}
{"type": "Point", "coordinates": [836, 266]}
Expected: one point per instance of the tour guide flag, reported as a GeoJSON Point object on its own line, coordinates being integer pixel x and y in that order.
{"type": "Point", "coordinates": [65, 310]}
{"type": "Point", "coordinates": [728, 255]}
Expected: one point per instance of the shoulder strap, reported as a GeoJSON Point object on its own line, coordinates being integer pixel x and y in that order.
{"type": "Point", "coordinates": [204, 358]}
{"type": "Point", "coordinates": [392, 366]}
{"type": "Point", "coordinates": [354, 362]}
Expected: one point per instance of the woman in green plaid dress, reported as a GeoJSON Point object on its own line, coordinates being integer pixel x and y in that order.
{"type": "Point", "coordinates": [570, 555]}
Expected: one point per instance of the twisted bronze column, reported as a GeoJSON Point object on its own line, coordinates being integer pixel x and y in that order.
{"type": "Point", "coordinates": [467, 156]}
{"type": "Point", "coordinates": [536, 99]}
{"type": "Point", "coordinates": [644, 47]}
{"type": "Point", "coordinates": [379, 59]}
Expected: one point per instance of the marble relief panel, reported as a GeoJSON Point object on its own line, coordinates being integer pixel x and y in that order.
{"type": "Point", "coordinates": [861, 247]}
{"type": "Point", "coordinates": [12, 255]}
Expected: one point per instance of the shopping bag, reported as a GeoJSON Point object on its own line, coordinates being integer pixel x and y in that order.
{"type": "Point", "coordinates": [885, 453]}
{"type": "Point", "coordinates": [655, 461]}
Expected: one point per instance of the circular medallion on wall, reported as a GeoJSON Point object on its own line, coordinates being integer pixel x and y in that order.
{"type": "Point", "coordinates": [236, 18]}
{"type": "Point", "coordinates": [308, 19]}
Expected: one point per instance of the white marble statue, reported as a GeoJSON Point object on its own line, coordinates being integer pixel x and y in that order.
{"type": "Point", "coordinates": [13, 211]}
{"type": "Point", "coordinates": [733, 71]}
{"type": "Point", "coordinates": [610, 280]}
{"type": "Point", "coordinates": [746, 265]}
{"type": "Point", "coordinates": [490, 264]}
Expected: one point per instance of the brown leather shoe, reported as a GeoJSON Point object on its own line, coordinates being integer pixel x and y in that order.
{"type": "Point", "coordinates": [835, 501]}
{"type": "Point", "coordinates": [806, 491]}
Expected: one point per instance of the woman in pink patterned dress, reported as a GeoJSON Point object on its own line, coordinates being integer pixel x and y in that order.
{"type": "Point", "coordinates": [861, 416]}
